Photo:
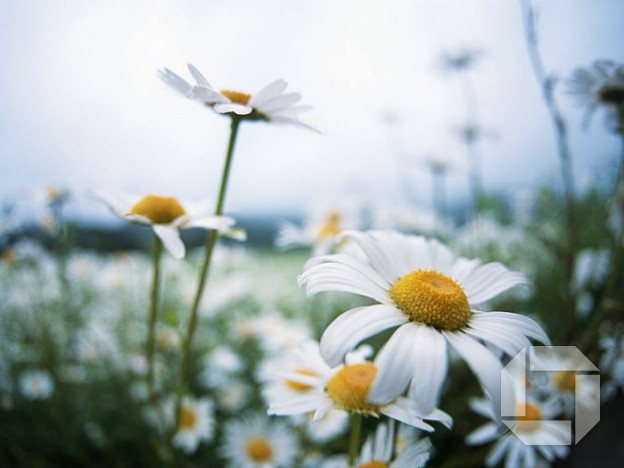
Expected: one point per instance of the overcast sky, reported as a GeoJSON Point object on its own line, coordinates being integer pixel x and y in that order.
{"type": "Point", "coordinates": [82, 106]}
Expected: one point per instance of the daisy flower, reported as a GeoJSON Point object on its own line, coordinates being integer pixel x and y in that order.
{"type": "Point", "coordinates": [343, 388]}
{"type": "Point", "coordinates": [418, 285]}
{"type": "Point", "coordinates": [600, 84]}
{"type": "Point", "coordinates": [36, 384]}
{"type": "Point", "coordinates": [196, 424]}
{"type": "Point", "coordinates": [166, 216]}
{"type": "Point", "coordinates": [536, 441]}
{"type": "Point", "coordinates": [259, 442]}
{"type": "Point", "coordinates": [271, 103]}
{"type": "Point", "coordinates": [377, 451]}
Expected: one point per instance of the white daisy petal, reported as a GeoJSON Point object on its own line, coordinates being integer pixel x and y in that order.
{"type": "Point", "coordinates": [509, 321]}
{"type": "Point", "coordinates": [304, 404]}
{"type": "Point", "coordinates": [212, 222]}
{"type": "Point", "coordinates": [209, 95]}
{"type": "Point", "coordinates": [279, 103]}
{"type": "Point", "coordinates": [483, 434]}
{"type": "Point", "coordinates": [506, 339]}
{"type": "Point", "coordinates": [199, 78]}
{"type": "Point", "coordinates": [176, 82]}
{"type": "Point", "coordinates": [483, 363]}
{"type": "Point", "coordinates": [238, 109]}
{"type": "Point", "coordinates": [171, 239]}
{"type": "Point", "coordinates": [495, 456]}
{"type": "Point", "coordinates": [294, 121]}
{"type": "Point", "coordinates": [403, 414]}
{"type": "Point", "coordinates": [397, 361]}
{"type": "Point", "coordinates": [429, 373]}
{"type": "Point", "coordinates": [489, 280]}
{"type": "Point", "coordinates": [354, 326]}
{"type": "Point", "coordinates": [269, 92]}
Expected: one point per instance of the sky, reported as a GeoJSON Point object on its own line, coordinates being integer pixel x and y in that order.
{"type": "Point", "coordinates": [82, 106]}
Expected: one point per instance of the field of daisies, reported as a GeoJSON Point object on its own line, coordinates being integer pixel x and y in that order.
{"type": "Point", "coordinates": [359, 338]}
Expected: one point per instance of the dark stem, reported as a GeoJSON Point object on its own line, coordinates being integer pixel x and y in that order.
{"type": "Point", "coordinates": [153, 313]}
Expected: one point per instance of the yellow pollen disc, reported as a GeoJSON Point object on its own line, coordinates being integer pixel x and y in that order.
{"type": "Point", "coordinates": [188, 418]}
{"type": "Point", "coordinates": [349, 387]}
{"type": "Point", "coordinates": [373, 464]}
{"type": "Point", "coordinates": [298, 386]}
{"type": "Point", "coordinates": [331, 227]}
{"type": "Point", "coordinates": [531, 419]}
{"type": "Point", "coordinates": [431, 298]}
{"type": "Point", "coordinates": [9, 257]}
{"type": "Point", "coordinates": [236, 96]}
{"type": "Point", "coordinates": [159, 210]}
{"type": "Point", "coordinates": [259, 449]}
{"type": "Point", "coordinates": [565, 381]}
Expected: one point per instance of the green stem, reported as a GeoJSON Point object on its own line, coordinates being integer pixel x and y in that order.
{"type": "Point", "coordinates": [153, 312]}
{"type": "Point", "coordinates": [354, 440]}
{"type": "Point", "coordinates": [211, 241]}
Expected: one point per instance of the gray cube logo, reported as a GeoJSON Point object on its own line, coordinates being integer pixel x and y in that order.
{"type": "Point", "coordinates": [568, 359]}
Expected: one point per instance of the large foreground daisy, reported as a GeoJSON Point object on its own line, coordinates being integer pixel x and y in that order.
{"type": "Point", "coordinates": [166, 215]}
{"type": "Point", "coordinates": [421, 287]}
{"type": "Point", "coordinates": [271, 103]}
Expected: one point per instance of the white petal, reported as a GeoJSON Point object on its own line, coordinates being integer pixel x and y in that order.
{"type": "Point", "coordinates": [354, 326]}
{"type": "Point", "coordinates": [209, 95]}
{"type": "Point", "coordinates": [396, 363]}
{"type": "Point", "coordinates": [485, 366]}
{"type": "Point", "coordinates": [303, 404]}
{"type": "Point", "coordinates": [170, 237]}
{"type": "Point", "coordinates": [279, 103]}
{"type": "Point", "coordinates": [199, 78]}
{"type": "Point", "coordinates": [519, 323]}
{"type": "Point", "coordinates": [294, 121]}
{"type": "Point", "coordinates": [489, 280]}
{"type": "Point", "coordinates": [238, 109]}
{"type": "Point", "coordinates": [212, 222]}
{"type": "Point", "coordinates": [113, 202]}
{"type": "Point", "coordinates": [430, 370]}
{"type": "Point", "coordinates": [270, 91]}
{"type": "Point", "coordinates": [497, 453]}
{"type": "Point", "coordinates": [176, 82]}
{"type": "Point", "coordinates": [483, 434]}
{"type": "Point", "coordinates": [403, 414]}
{"type": "Point", "coordinates": [506, 339]}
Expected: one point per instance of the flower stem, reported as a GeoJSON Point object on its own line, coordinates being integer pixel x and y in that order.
{"type": "Point", "coordinates": [354, 440]}
{"type": "Point", "coordinates": [211, 241]}
{"type": "Point", "coordinates": [153, 312]}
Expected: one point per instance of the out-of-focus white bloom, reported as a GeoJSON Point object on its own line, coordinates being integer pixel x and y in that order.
{"type": "Point", "coordinates": [36, 384]}
{"type": "Point", "coordinates": [344, 388]}
{"type": "Point", "coordinates": [97, 343]}
{"type": "Point", "coordinates": [612, 363]}
{"type": "Point", "coordinates": [233, 396]}
{"type": "Point", "coordinates": [259, 442]}
{"type": "Point", "coordinates": [379, 448]}
{"type": "Point", "coordinates": [600, 84]}
{"type": "Point", "coordinates": [196, 424]}
{"type": "Point", "coordinates": [270, 104]}
{"type": "Point", "coordinates": [546, 437]}
{"type": "Point", "coordinates": [166, 216]}
{"type": "Point", "coordinates": [277, 334]}
{"type": "Point", "coordinates": [409, 219]}
{"type": "Point", "coordinates": [220, 365]}
{"type": "Point", "coordinates": [321, 228]}
{"type": "Point", "coordinates": [420, 286]}
{"type": "Point", "coordinates": [590, 268]}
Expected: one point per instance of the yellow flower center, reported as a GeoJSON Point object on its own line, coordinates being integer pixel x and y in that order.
{"type": "Point", "coordinates": [188, 418]}
{"type": "Point", "coordinates": [565, 381]}
{"type": "Point", "coordinates": [9, 257]}
{"type": "Point", "coordinates": [159, 210]}
{"type": "Point", "coordinates": [236, 96]}
{"type": "Point", "coordinates": [431, 298]}
{"type": "Point", "coordinates": [531, 419]}
{"type": "Point", "coordinates": [331, 227]}
{"type": "Point", "coordinates": [373, 464]}
{"type": "Point", "coordinates": [349, 387]}
{"type": "Point", "coordinates": [259, 449]}
{"type": "Point", "coordinates": [298, 386]}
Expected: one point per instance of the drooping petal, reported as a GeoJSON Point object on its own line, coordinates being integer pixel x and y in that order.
{"type": "Point", "coordinates": [489, 280]}
{"type": "Point", "coordinates": [396, 363]}
{"type": "Point", "coordinates": [483, 434]}
{"type": "Point", "coordinates": [170, 237]}
{"type": "Point", "coordinates": [429, 373]}
{"type": "Point", "coordinates": [354, 326]}
{"type": "Point", "coordinates": [519, 323]}
{"type": "Point", "coordinates": [485, 366]}
{"type": "Point", "coordinates": [304, 404]}
{"type": "Point", "coordinates": [209, 95]}
{"type": "Point", "coordinates": [401, 411]}
{"type": "Point", "coordinates": [176, 82]}
{"type": "Point", "coordinates": [506, 339]}
{"type": "Point", "coordinates": [269, 92]}
{"type": "Point", "coordinates": [115, 203]}
{"type": "Point", "coordinates": [238, 109]}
